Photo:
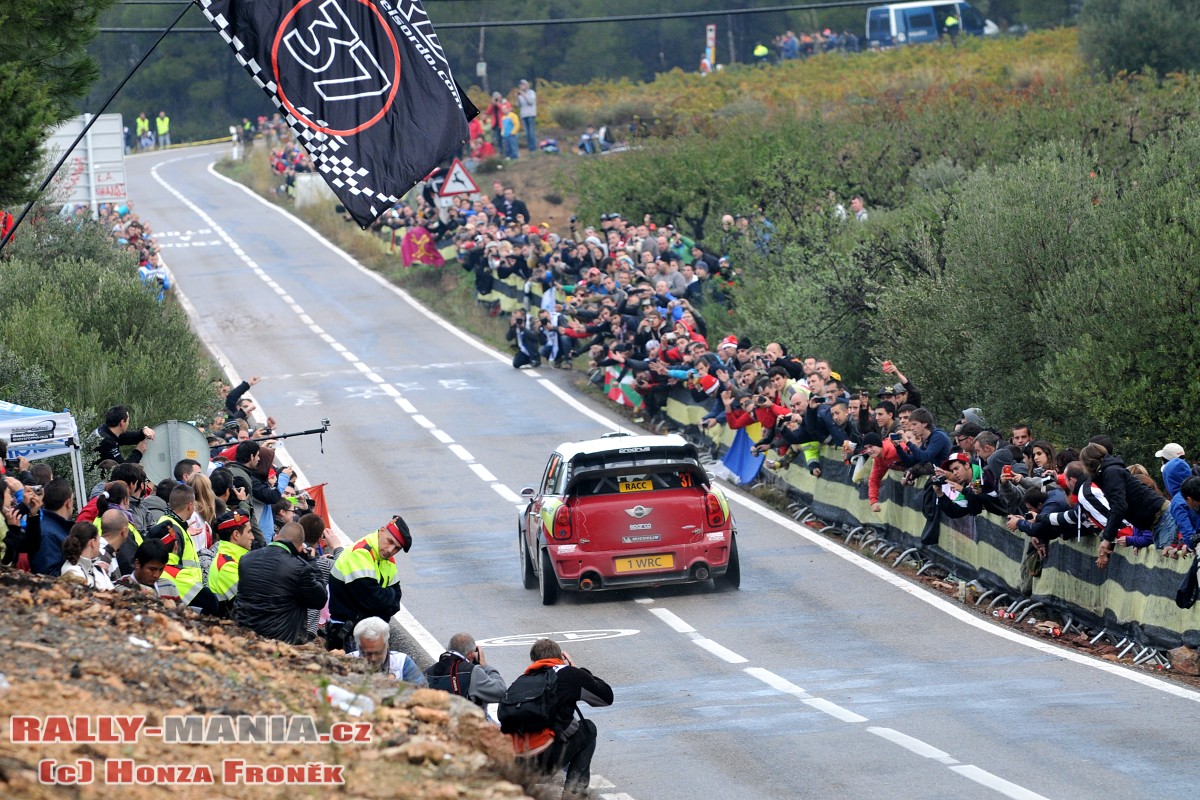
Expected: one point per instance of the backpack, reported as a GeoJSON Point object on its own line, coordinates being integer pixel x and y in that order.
{"type": "Point", "coordinates": [529, 704]}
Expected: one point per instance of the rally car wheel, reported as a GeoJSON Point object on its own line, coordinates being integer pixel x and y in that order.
{"type": "Point", "coordinates": [528, 576]}
{"type": "Point", "coordinates": [547, 582]}
{"type": "Point", "coordinates": [732, 579]}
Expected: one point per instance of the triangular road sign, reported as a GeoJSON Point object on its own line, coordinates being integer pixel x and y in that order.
{"type": "Point", "coordinates": [458, 181]}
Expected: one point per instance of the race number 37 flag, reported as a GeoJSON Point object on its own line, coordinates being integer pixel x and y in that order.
{"type": "Point", "coordinates": [363, 83]}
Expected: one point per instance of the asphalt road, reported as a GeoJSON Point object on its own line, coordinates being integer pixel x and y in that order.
{"type": "Point", "coordinates": [821, 678]}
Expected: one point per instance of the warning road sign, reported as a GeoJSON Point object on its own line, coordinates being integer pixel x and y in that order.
{"type": "Point", "coordinates": [458, 181]}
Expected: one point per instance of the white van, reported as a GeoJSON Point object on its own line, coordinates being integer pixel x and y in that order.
{"type": "Point", "coordinates": [915, 22]}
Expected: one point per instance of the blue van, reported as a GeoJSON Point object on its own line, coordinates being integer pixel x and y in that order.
{"type": "Point", "coordinates": [915, 22]}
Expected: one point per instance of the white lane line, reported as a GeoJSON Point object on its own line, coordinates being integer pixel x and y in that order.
{"type": "Point", "coordinates": [676, 624]}
{"type": "Point", "coordinates": [405, 406]}
{"type": "Point", "coordinates": [616, 796]}
{"type": "Point", "coordinates": [317, 329]}
{"type": "Point", "coordinates": [833, 710]}
{"type": "Point", "coordinates": [996, 783]}
{"type": "Point", "coordinates": [509, 495]}
{"type": "Point", "coordinates": [419, 632]}
{"type": "Point", "coordinates": [600, 782]}
{"type": "Point", "coordinates": [361, 367]}
{"type": "Point", "coordinates": [350, 357]}
{"type": "Point", "coordinates": [643, 600]}
{"type": "Point", "coordinates": [723, 653]}
{"type": "Point", "coordinates": [777, 682]}
{"type": "Point", "coordinates": [460, 451]}
{"type": "Point", "coordinates": [306, 319]}
{"type": "Point", "coordinates": [443, 437]}
{"type": "Point", "coordinates": [482, 472]}
{"type": "Point", "coordinates": [327, 339]}
{"type": "Point", "coordinates": [372, 377]}
{"type": "Point", "coordinates": [389, 390]}
{"type": "Point", "coordinates": [423, 421]}
{"type": "Point", "coordinates": [338, 346]}
{"type": "Point", "coordinates": [913, 745]}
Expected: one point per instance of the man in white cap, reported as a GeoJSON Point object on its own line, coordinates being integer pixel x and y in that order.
{"type": "Point", "coordinates": [1169, 451]}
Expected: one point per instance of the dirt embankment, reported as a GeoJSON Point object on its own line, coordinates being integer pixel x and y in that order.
{"type": "Point", "coordinates": [102, 660]}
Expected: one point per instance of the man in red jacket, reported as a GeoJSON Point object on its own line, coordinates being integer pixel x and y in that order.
{"type": "Point", "coordinates": [883, 455]}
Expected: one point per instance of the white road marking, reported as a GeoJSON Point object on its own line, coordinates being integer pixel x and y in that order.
{"type": "Point", "coordinates": [509, 495]}
{"type": "Point", "coordinates": [777, 682]}
{"type": "Point", "coordinates": [913, 745]}
{"type": "Point", "coordinates": [390, 390]}
{"type": "Point", "coordinates": [643, 600]}
{"type": "Point", "coordinates": [723, 653]}
{"type": "Point", "coordinates": [443, 437]}
{"type": "Point", "coordinates": [423, 421]}
{"type": "Point", "coordinates": [996, 783]}
{"type": "Point", "coordinates": [482, 472]}
{"type": "Point", "coordinates": [616, 796]}
{"type": "Point", "coordinates": [461, 452]}
{"type": "Point", "coordinates": [350, 356]}
{"type": "Point", "coordinates": [306, 319]}
{"type": "Point", "coordinates": [676, 624]}
{"type": "Point", "coordinates": [833, 710]}
{"type": "Point", "coordinates": [371, 376]}
{"type": "Point", "coordinates": [405, 406]}
{"type": "Point", "coordinates": [600, 782]}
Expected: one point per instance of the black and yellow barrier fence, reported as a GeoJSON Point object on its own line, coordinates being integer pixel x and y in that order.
{"type": "Point", "coordinates": [1134, 597]}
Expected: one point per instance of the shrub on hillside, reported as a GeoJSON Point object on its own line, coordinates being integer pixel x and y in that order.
{"type": "Point", "coordinates": [1133, 35]}
{"type": "Point", "coordinates": [88, 334]}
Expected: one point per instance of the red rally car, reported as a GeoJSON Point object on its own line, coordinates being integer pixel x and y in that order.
{"type": "Point", "coordinates": [625, 510]}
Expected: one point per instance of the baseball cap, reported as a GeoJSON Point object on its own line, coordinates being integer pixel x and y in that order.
{"type": "Point", "coordinates": [728, 341]}
{"type": "Point", "coordinates": [899, 389]}
{"type": "Point", "coordinates": [1169, 451]}
{"type": "Point", "coordinates": [968, 429]}
{"type": "Point", "coordinates": [886, 391]}
{"type": "Point", "coordinates": [960, 457]}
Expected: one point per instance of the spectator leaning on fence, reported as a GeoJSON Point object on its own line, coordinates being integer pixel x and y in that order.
{"type": "Point", "coordinates": [1128, 498]}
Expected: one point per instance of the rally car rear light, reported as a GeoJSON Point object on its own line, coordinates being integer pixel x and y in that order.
{"type": "Point", "coordinates": [713, 510]}
{"type": "Point", "coordinates": [562, 523]}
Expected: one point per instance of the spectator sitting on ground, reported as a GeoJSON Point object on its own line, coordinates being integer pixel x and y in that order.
{"type": "Point", "coordinates": [80, 549]}
{"type": "Point", "coordinates": [373, 635]}
{"type": "Point", "coordinates": [149, 561]}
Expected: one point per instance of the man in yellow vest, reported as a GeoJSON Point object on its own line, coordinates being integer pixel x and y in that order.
{"type": "Point", "coordinates": [163, 125]}
{"type": "Point", "coordinates": [183, 563]}
{"type": "Point", "coordinates": [951, 28]}
{"type": "Point", "coordinates": [762, 54]}
{"type": "Point", "coordinates": [364, 583]}
{"type": "Point", "coordinates": [235, 538]}
{"type": "Point", "coordinates": [143, 128]}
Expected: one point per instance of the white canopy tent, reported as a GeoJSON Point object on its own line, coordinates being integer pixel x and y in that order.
{"type": "Point", "coordinates": [37, 434]}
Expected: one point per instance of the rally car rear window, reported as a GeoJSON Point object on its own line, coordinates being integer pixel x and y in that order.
{"type": "Point", "coordinates": [634, 482]}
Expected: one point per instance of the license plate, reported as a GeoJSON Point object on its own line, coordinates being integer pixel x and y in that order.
{"type": "Point", "coordinates": [636, 486]}
{"type": "Point", "coordinates": [645, 563]}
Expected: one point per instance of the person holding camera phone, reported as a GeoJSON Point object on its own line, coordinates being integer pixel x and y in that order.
{"type": "Point", "coordinates": [957, 492]}
{"type": "Point", "coordinates": [20, 508]}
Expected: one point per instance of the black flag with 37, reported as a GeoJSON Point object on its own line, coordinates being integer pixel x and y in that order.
{"type": "Point", "coordinates": [363, 83]}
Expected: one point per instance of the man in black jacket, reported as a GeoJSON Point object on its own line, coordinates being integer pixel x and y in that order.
{"type": "Point", "coordinates": [574, 740]}
{"type": "Point", "coordinates": [115, 434]}
{"type": "Point", "coordinates": [1128, 499]}
{"type": "Point", "coordinates": [277, 585]}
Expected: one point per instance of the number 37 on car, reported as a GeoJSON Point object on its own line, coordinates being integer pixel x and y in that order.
{"type": "Point", "coordinates": [624, 511]}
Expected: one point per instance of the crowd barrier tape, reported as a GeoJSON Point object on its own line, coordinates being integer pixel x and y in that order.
{"type": "Point", "coordinates": [509, 293]}
{"type": "Point", "coordinates": [1134, 597]}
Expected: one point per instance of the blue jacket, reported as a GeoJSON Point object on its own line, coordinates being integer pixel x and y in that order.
{"type": "Point", "coordinates": [49, 558]}
{"type": "Point", "coordinates": [935, 451]}
{"type": "Point", "coordinates": [1056, 503]}
{"type": "Point", "coordinates": [1175, 472]}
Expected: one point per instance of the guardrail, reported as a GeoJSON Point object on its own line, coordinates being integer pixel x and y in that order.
{"type": "Point", "coordinates": [1132, 602]}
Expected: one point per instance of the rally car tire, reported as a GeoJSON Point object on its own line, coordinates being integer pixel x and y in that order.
{"type": "Point", "coordinates": [547, 582]}
{"type": "Point", "coordinates": [732, 579]}
{"type": "Point", "coordinates": [529, 578]}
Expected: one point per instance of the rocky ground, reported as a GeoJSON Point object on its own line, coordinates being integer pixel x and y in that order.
{"type": "Point", "coordinates": [72, 652]}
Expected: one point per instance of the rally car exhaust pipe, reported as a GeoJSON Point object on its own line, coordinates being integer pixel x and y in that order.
{"type": "Point", "coordinates": [588, 583]}
{"type": "Point", "coordinates": [700, 573]}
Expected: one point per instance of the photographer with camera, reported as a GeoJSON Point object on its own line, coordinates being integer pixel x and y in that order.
{"type": "Point", "coordinates": [957, 487]}
{"type": "Point", "coordinates": [20, 519]}
{"type": "Point", "coordinates": [525, 339]}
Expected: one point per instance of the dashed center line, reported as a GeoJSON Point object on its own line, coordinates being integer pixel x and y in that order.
{"type": "Point", "coordinates": [407, 407]}
{"type": "Point", "coordinates": [909, 743]}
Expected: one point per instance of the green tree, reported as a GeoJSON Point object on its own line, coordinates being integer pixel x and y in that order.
{"type": "Point", "coordinates": [44, 69]}
{"type": "Point", "coordinates": [1131, 35]}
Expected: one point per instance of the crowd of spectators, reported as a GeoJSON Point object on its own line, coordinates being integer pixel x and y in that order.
{"type": "Point", "coordinates": [788, 46]}
{"type": "Point", "coordinates": [131, 233]}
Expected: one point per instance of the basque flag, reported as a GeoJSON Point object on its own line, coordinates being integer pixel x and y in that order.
{"type": "Point", "coordinates": [363, 83]}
